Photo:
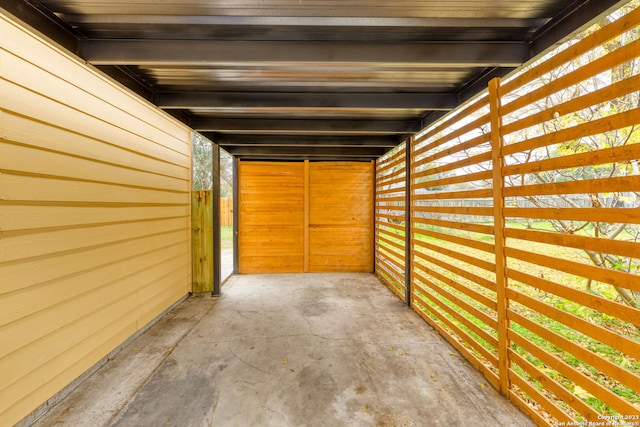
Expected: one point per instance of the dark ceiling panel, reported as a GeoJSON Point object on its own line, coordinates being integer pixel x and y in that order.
{"type": "Point", "coordinates": [249, 126]}
{"type": "Point", "coordinates": [268, 53]}
{"type": "Point", "coordinates": [228, 140]}
{"type": "Point", "coordinates": [292, 79]}
{"type": "Point", "coordinates": [344, 152]}
{"type": "Point", "coordinates": [488, 9]}
{"type": "Point", "coordinates": [247, 100]}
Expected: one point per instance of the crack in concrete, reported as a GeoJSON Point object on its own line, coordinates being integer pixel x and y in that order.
{"type": "Point", "coordinates": [284, 417]}
{"type": "Point", "coordinates": [245, 362]}
{"type": "Point", "coordinates": [212, 410]}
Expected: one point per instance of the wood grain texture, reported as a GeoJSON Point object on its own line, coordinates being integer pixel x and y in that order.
{"type": "Point", "coordinates": [390, 219]}
{"type": "Point", "coordinates": [341, 216]}
{"type": "Point", "coordinates": [297, 217]}
{"type": "Point", "coordinates": [202, 240]}
{"type": "Point", "coordinates": [271, 217]}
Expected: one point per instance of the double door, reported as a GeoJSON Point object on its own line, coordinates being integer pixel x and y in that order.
{"type": "Point", "coordinates": [299, 217]}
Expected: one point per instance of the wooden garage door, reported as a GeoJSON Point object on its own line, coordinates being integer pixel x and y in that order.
{"type": "Point", "coordinates": [271, 217]}
{"type": "Point", "coordinates": [340, 220]}
{"type": "Point", "coordinates": [305, 217]}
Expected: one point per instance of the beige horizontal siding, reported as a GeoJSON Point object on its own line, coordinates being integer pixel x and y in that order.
{"type": "Point", "coordinates": [94, 217]}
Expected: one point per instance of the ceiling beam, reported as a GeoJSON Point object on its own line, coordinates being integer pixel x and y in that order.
{"type": "Point", "coordinates": [244, 125]}
{"type": "Point", "coordinates": [202, 52]}
{"type": "Point", "coordinates": [578, 14]}
{"type": "Point", "coordinates": [43, 20]}
{"type": "Point", "coordinates": [203, 100]}
{"type": "Point", "coordinates": [304, 21]}
{"type": "Point", "coordinates": [227, 140]}
{"type": "Point", "coordinates": [293, 151]}
{"type": "Point", "coordinates": [481, 81]}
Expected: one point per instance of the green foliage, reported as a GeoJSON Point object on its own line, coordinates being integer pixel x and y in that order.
{"type": "Point", "coordinates": [202, 159]}
{"type": "Point", "coordinates": [202, 162]}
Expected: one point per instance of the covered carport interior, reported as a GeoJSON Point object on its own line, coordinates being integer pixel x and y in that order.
{"type": "Point", "coordinates": [299, 83]}
{"type": "Point", "coordinates": [294, 81]}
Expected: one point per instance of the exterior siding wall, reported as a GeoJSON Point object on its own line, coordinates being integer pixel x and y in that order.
{"type": "Point", "coordinates": [94, 218]}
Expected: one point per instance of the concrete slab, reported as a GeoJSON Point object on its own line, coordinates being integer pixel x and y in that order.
{"type": "Point", "coordinates": [289, 350]}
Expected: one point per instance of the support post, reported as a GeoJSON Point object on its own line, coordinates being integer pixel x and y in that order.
{"type": "Point", "coordinates": [215, 184]}
{"type": "Point", "coordinates": [374, 173]}
{"type": "Point", "coordinates": [408, 250]}
{"type": "Point", "coordinates": [306, 248]}
{"type": "Point", "coordinates": [236, 212]}
{"type": "Point", "coordinates": [499, 224]}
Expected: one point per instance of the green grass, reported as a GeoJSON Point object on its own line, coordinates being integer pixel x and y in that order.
{"type": "Point", "coordinates": [614, 355]}
{"type": "Point", "coordinates": [226, 237]}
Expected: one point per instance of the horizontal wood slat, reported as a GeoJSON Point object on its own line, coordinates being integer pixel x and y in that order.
{"type": "Point", "coordinates": [601, 274]}
{"type": "Point", "coordinates": [455, 312]}
{"type": "Point", "coordinates": [423, 308]}
{"type": "Point", "coordinates": [617, 215]}
{"type": "Point", "coordinates": [552, 386]}
{"type": "Point", "coordinates": [617, 247]}
{"type": "Point", "coordinates": [613, 339]}
{"type": "Point", "coordinates": [453, 268]}
{"type": "Point", "coordinates": [573, 51]}
{"type": "Point", "coordinates": [574, 375]}
{"type": "Point", "coordinates": [587, 299]}
{"type": "Point", "coordinates": [390, 219]}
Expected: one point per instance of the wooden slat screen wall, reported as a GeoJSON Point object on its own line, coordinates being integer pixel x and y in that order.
{"type": "Point", "coordinates": [94, 218]}
{"type": "Point", "coordinates": [572, 207]}
{"type": "Point", "coordinates": [452, 234]}
{"type": "Point", "coordinates": [390, 227]}
{"type": "Point", "coordinates": [525, 245]}
{"type": "Point", "coordinates": [271, 217]}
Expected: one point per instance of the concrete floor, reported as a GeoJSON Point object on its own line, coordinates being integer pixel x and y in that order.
{"type": "Point", "coordinates": [288, 350]}
{"type": "Point", "coordinates": [226, 263]}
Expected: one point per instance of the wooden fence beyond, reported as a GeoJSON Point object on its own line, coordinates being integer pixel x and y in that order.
{"type": "Point", "coordinates": [226, 212]}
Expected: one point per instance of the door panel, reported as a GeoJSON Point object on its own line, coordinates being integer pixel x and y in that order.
{"type": "Point", "coordinates": [298, 217]}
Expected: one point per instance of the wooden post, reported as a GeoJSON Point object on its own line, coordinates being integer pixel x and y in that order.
{"type": "Point", "coordinates": [202, 243]}
{"type": "Point", "coordinates": [217, 251]}
{"type": "Point", "coordinates": [408, 247]}
{"type": "Point", "coordinates": [307, 205]}
{"type": "Point", "coordinates": [236, 212]}
{"type": "Point", "coordinates": [373, 216]}
{"type": "Point", "coordinates": [499, 225]}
